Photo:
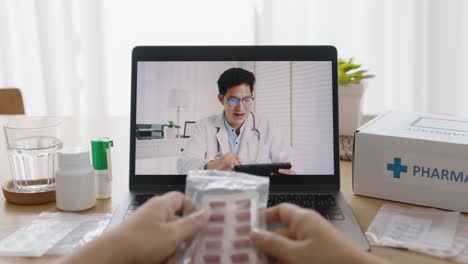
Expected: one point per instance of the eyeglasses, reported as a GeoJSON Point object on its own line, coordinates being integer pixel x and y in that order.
{"type": "Point", "coordinates": [233, 101]}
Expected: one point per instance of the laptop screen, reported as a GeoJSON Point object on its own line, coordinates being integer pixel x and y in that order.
{"type": "Point", "coordinates": [196, 114]}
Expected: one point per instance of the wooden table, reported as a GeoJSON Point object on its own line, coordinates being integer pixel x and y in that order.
{"type": "Point", "coordinates": [79, 132]}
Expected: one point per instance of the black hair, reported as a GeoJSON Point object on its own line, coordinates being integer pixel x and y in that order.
{"type": "Point", "coordinates": [233, 77]}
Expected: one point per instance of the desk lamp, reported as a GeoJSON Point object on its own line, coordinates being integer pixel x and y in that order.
{"type": "Point", "coordinates": [178, 98]}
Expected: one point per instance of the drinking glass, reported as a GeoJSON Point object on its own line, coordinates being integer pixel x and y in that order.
{"type": "Point", "coordinates": [32, 143]}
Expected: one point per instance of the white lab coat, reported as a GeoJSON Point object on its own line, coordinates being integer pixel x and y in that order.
{"type": "Point", "coordinates": [208, 132]}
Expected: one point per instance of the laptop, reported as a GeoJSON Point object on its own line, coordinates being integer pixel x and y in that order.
{"type": "Point", "coordinates": [294, 101]}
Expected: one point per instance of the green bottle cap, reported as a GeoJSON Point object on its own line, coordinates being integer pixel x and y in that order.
{"type": "Point", "coordinates": [99, 149]}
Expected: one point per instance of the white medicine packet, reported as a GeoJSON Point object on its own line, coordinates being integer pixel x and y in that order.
{"type": "Point", "coordinates": [90, 227]}
{"type": "Point", "coordinates": [34, 240]}
{"type": "Point", "coordinates": [53, 233]}
{"type": "Point", "coordinates": [459, 249]}
{"type": "Point", "coordinates": [425, 230]}
{"type": "Point", "coordinates": [405, 230]}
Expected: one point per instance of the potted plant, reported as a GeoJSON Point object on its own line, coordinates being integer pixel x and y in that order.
{"type": "Point", "coordinates": [350, 91]}
{"type": "Point", "coordinates": [172, 130]}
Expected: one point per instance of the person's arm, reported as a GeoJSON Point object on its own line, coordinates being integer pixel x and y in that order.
{"type": "Point", "coordinates": [150, 235]}
{"type": "Point", "coordinates": [306, 238]}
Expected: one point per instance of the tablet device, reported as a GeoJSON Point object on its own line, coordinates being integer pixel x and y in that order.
{"type": "Point", "coordinates": [265, 169]}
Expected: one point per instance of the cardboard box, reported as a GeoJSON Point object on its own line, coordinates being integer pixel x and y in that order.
{"type": "Point", "coordinates": [413, 158]}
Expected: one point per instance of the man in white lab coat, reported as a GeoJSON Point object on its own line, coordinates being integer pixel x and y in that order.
{"type": "Point", "coordinates": [235, 136]}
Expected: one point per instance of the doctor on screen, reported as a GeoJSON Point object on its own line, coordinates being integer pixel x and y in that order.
{"type": "Point", "coordinates": [237, 135]}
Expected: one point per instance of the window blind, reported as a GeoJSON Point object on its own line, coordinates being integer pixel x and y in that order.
{"type": "Point", "coordinates": [312, 112]}
{"type": "Point", "coordinates": [272, 93]}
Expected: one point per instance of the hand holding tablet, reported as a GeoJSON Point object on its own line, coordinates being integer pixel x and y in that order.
{"type": "Point", "coordinates": [265, 169]}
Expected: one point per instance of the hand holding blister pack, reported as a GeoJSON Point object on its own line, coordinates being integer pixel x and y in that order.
{"type": "Point", "coordinates": [234, 202]}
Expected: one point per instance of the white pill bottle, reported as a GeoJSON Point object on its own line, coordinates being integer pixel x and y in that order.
{"type": "Point", "coordinates": [74, 180]}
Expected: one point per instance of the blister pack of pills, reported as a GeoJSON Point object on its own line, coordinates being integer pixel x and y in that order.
{"type": "Point", "coordinates": [234, 202]}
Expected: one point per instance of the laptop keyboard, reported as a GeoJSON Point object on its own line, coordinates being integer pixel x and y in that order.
{"type": "Point", "coordinates": [137, 201]}
{"type": "Point", "coordinates": [325, 204]}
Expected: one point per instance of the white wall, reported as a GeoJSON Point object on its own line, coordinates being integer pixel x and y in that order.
{"type": "Point", "coordinates": [176, 22]}
{"type": "Point", "coordinates": [415, 48]}
{"type": "Point", "coordinates": [298, 96]}
{"type": "Point", "coordinates": [199, 79]}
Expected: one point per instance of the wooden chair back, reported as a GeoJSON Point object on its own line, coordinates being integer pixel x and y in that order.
{"type": "Point", "coordinates": [11, 102]}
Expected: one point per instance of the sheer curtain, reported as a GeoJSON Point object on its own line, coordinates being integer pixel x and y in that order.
{"type": "Point", "coordinates": [416, 48]}
{"type": "Point", "coordinates": [53, 52]}
{"type": "Point", "coordinates": [74, 57]}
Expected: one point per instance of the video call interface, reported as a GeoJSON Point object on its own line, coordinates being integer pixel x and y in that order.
{"type": "Point", "coordinates": [234, 114]}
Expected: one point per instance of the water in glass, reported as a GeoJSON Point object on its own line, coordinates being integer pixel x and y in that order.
{"type": "Point", "coordinates": [32, 161]}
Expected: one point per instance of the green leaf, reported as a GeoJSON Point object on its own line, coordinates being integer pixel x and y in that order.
{"type": "Point", "coordinates": [346, 75]}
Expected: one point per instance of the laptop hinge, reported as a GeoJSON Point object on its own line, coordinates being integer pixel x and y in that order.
{"type": "Point", "coordinates": [156, 188]}
{"type": "Point", "coordinates": [304, 188]}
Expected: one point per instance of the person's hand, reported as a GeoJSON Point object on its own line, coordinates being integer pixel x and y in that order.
{"type": "Point", "coordinates": [284, 172]}
{"type": "Point", "coordinates": [155, 229]}
{"type": "Point", "coordinates": [287, 171]}
{"type": "Point", "coordinates": [306, 238]}
{"type": "Point", "coordinates": [150, 235]}
{"type": "Point", "coordinates": [226, 163]}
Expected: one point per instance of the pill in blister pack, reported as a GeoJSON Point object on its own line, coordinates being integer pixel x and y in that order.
{"type": "Point", "coordinates": [243, 229]}
{"type": "Point", "coordinates": [212, 258]}
{"type": "Point", "coordinates": [213, 244]}
{"type": "Point", "coordinates": [214, 230]}
{"type": "Point", "coordinates": [217, 217]}
{"type": "Point", "coordinates": [240, 257]}
{"type": "Point", "coordinates": [217, 204]}
{"type": "Point", "coordinates": [241, 243]}
{"type": "Point", "coordinates": [243, 216]}
{"type": "Point", "coordinates": [243, 203]}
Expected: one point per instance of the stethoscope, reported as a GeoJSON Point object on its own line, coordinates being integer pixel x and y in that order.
{"type": "Point", "coordinates": [218, 152]}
